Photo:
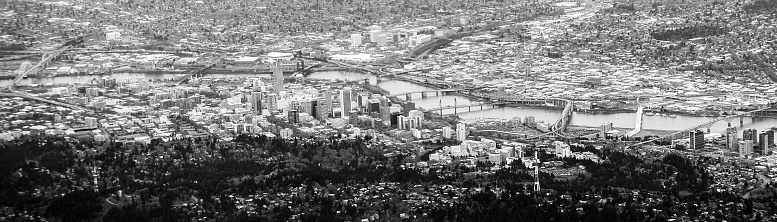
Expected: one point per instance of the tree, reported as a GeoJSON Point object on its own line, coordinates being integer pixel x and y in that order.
{"type": "Point", "coordinates": [82, 205]}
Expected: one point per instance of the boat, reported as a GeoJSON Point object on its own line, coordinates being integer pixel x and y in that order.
{"type": "Point", "coordinates": [672, 116]}
{"type": "Point", "coordinates": [649, 114]}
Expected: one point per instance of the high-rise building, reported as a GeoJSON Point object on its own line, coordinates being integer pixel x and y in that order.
{"type": "Point", "coordinates": [745, 148]}
{"type": "Point", "coordinates": [373, 105]}
{"type": "Point", "coordinates": [446, 132]}
{"type": "Point", "coordinates": [407, 106]}
{"type": "Point", "coordinates": [528, 120]}
{"type": "Point", "coordinates": [750, 134]}
{"type": "Point", "coordinates": [731, 138]}
{"type": "Point", "coordinates": [604, 128]}
{"type": "Point", "coordinates": [401, 122]}
{"type": "Point", "coordinates": [256, 102]}
{"type": "Point", "coordinates": [356, 40]}
{"type": "Point", "coordinates": [765, 142]}
{"type": "Point", "coordinates": [345, 101]}
{"type": "Point", "coordinates": [293, 116]}
{"type": "Point", "coordinates": [696, 139]}
{"type": "Point", "coordinates": [270, 101]}
{"type": "Point", "coordinates": [314, 108]}
{"type": "Point", "coordinates": [328, 102]}
{"type": "Point", "coordinates": [322, 109]}
{"type": "Point", "coordinates": [277, 76]}
{"type": "Point", "coordinates": [461, 132]}
{"type": "Point", "coordinates": [257, 85]}
{"type": "Point", "coordinates": [375, 34]}
{"type": "Point", "coordinates": [382, 40]}
{"type": "Point", "coordinates": [416, 116]}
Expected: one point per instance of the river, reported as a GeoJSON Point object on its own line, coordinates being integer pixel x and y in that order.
{"type": "Point", "coordinates": [620, 120]}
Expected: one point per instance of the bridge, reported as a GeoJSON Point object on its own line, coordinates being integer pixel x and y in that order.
{"type": "Point", "coordinates": [352, 66]}
{"type": "Point", "coordinates": [424, 93]}
{"type": "Point", "coordinates": [566, 115]}
{"type": "Point", "coordinates": [89, 51]}
{"type": "Point", "coordinates": [637, 123]}
{"type": "Point", "coordinates": [198, 72]}
{"type": "Point", "coordinates": [34, 69]}
{"type": "Point", "coordinates": [455, 107]}
{"type": "Point", "coordinates": [684, 133]}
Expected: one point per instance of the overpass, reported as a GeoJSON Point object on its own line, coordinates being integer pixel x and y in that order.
{"type": "Point", "coordinates": [684, 133]}
{"type": "Point", "coordinates": [52, 102]}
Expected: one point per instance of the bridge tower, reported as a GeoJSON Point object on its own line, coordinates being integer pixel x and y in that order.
{"type": "Point", "coordinates": [455, 104]}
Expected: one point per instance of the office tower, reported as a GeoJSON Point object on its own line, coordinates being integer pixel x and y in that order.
{"type": "Point", "coordinates": [528, 120]}
{"type": "Point", "coordinates": [696, 139]}
{"type": "Point", "coordinates": [90, 121]}
{"type": "Point", "coordinates": [294, 105]}
{"type": "Point", "coordinates": [416, 116]}
{"type": "Point", "coordinates": [353, 117]}
{"type": "Point", "coordinates": [750, 134]}
{"type": "Point", "coordinates": [385, 110]}
{"type": "Point", "coordinates": [356, 40]}
{"type": "Point", "coordinates": [731, 138]}
{"type": "Point", "coordinates": [401, 122]}
{"type": "Point", "coordinates": [277, 77]}
{"type": "Point", "coordinates": [374, 35]}
{"type": "Point", "coordinates": [461, 132]}
{"type": "Point", "coordinates": [393, 118]}
{"type": "Point", "coordinates": [293, 116]}
{"type": "Point", "coordinates": [345, 101]}
{"type": "Point", "coordinates": [382, 40]}
{"type": "Point", "coordinates": [328, 102]}
{"type": "Point", "coordinates": [385, 114]}
{"type": "Point", "coordinates": [407, 106]}
{"type": "Point", "coordinates": [257, 85]}
{"type": "Point", "coordinates": [603, 129]}
{"type": "Point", "coordinates": [323, 110]}
{"type": "Point", "coordinates": [256, 102]}
{"type": "Point", "coordinates": [314, 108]}
{"type": "Point", "coordinates": [745, 148]}
{"type": "Point", "coordinates": [446, 132]}
{"type": "Point", "coordinates": [373, 106]}
{"type": "Point", "coordinates": [765, 141]}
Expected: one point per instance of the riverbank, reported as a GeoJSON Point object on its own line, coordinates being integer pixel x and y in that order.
{"type": "Point", "coordinates": [642, 133]}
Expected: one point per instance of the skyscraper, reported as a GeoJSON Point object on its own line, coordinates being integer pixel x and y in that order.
{"type": "Point", "coordinates": [745, 148]}
{"type": "Point", "coordinates": [446, 132]}
{"type": "Point", "coordinates": [696, 139]}
{"type": "Point", "coordinates": [731, 138]}
{"type": "Point", "coordinates": [401, 122]}
{"type": "Point", "coordinates": [356, 40]}
{"type": "Point", "coordinates": [328, 102]}
{"type": "Point", "coordinates": [461, 132]}
{"type": "Point", "coordinates": [765, 141]}
{"type": "Point", "coordinates": [277, 77]}
{"type": "Point", "coordinates": [256, 102]}
{"type": "Point", "coordinates": [416, 116]}
{"type": "Point", "coordinates": [293, 116]}
{"type": "Point", "coordinates": [750, 134]}
{"type": "Point", "coordinates": [345, 101]}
